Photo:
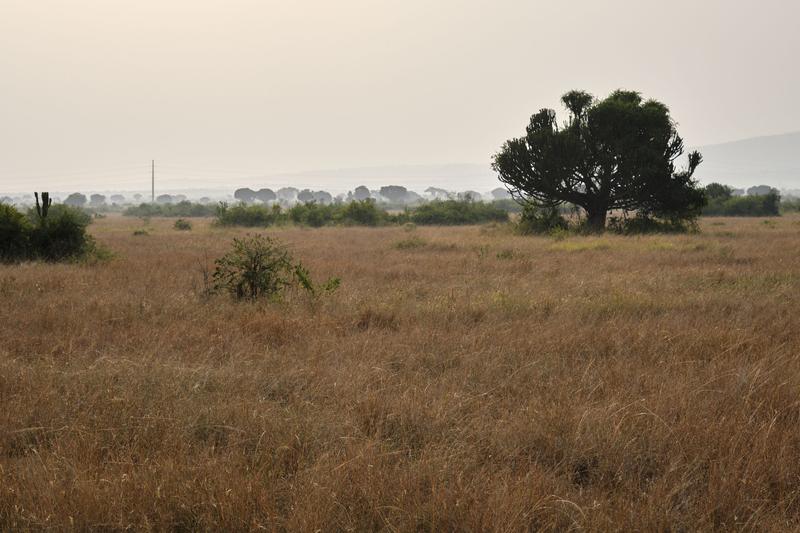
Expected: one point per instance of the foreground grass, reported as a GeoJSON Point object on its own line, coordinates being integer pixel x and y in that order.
{"type": "Point", "coordinates": [480, 381]}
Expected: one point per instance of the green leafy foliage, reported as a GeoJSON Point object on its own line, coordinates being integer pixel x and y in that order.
{"type": "Point", "coordinates": [261, 267]}
{"type": "Point", "coordinates": [182, 225]}
{"type": "Point", "coordinates": [15, 231]}
{"type": "Point", "coordinates": [540, 220]}
{"type": "Point", "coordinates": [51, 233]}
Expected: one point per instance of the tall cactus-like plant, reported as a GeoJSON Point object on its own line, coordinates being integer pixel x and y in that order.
{"type": "Point", "coordinates": [43, 209]}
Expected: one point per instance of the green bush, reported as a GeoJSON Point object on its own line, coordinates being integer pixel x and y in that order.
{"type": "Point", "coordinates": [182, 225]}
{"type": "Point", "coordinates": [249, 215]}
{"type": "Point", "coordinates": [456, 212]}
{"type": "Point", "coordinates": [15, 230]}
{"type": "Point", "coordinates": [61, 235]}
{"type": "Point", "coordinates": [259, 267]}
{"type": "Point", "coordinates": [361, 213]}
{"type": "Point", "coordinates": [58, 236]}
{"type": "Point", "coordinates": [540, 220]}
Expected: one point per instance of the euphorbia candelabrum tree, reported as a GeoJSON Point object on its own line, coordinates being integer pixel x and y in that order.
{"type": "Point", "coordinates": [619, 153]}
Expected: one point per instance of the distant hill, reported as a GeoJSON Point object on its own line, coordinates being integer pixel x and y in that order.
{"type": "Point", "coordinates": [772, 160]}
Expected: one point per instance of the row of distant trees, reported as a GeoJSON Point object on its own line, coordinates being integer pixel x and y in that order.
{"type": "Point", "coordinates": [392, 194]}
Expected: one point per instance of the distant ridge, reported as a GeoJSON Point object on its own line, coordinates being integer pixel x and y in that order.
{"type": "Point", "coordinates": [769, 160]}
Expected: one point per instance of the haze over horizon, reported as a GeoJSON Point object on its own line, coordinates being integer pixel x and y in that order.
{"type": "Point", "coordinates": [221, 92]}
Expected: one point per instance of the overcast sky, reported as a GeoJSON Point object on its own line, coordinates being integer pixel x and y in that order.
{"type": "Point", "coordinates": [216, 90]}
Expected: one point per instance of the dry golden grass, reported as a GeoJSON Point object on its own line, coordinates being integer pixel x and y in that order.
{"type": "Point", "coordinates": [476, 381]}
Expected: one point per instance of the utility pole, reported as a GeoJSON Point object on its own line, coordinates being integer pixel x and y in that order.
{"type": "Point", "coordinates": [153, 182]}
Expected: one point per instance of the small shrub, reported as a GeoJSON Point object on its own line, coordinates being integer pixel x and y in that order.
{"type": "Point", "coordinates": [259, 267]}
{"type": "Point", "coordinates": [506, 254]}
{"type": "Point", "coordinates": [540, 220]}
{"type": "Point", "coordinates": [141, 233]}
{"type": "Point", "coordinates": [411, 243]}
{"type": "Point", "coordinates": [182, 225]}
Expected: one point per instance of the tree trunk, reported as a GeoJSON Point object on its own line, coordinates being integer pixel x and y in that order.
{"type": "Point", "coordinates": [596, 220]}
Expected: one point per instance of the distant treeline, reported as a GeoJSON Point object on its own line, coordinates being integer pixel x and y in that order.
{"type": "Point", "coordinates": [360, 213]}
{"type": "Point", "coordinates": [179, 210]}
{"type": "Point", "coordinates": [761, 201]}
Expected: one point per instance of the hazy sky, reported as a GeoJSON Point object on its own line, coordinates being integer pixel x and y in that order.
{"type": "Point", "coordinates": [92, 90]}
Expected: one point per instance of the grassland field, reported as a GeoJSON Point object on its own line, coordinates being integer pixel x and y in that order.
{"type": "Point", "coordinates": [461, 379]}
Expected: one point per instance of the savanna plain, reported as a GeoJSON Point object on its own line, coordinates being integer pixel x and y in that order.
{"type": "Point", "coordinates": [459, 379]}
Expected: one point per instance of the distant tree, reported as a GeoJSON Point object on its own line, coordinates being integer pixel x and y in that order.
{"type": "Point", "coordinates": [179, 198]}
{"type": "Point", "coordinates": [6, 200]}
{"type": "Point", "coordinates": [500, 193]}
{"type": "Point", "coordinates": [305, 196]}
{"type": "Point", "coordinates": [96, 200]}
{"type": "Point", "coordinates": [616, 153]}
{"type": "Point", "coordinates": [76, 199]}
{"type": "Point", "coordinates": [287, 194]}
{"type": "Point", "coordinates": [137, 197]}
{"type": "Point", "coordinates": [361, 193]}
{"type": "Point", "coordinates": [470, 196]}
{"type": "Point", "coordinates": [164, 199]}
{"type": "Point", "coordinates": [759, 190]}
{"type": "Point", "coordinates": [438, 194]}
{"type": "Point", "coordinates": [323, 197]}
{"type": "Point", "coordinates": [204, 200]}
{"type": "Point", "coordinates": [117, 198]}
{"type": "Point", "coordinates": [245, 195]}
{"type": "Point", "coordinates": [266, 196]}
{"type": "Point", "coordinates": [394, 194]}
{"type": "Point", "coordinates": [718, 192]}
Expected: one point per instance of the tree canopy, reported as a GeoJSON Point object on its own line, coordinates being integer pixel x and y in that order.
{"type": "Point", "coordinates": [618, 153]}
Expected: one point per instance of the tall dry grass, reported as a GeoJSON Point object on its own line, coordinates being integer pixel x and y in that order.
{"type": "Point", "coordinates": [474, 381]}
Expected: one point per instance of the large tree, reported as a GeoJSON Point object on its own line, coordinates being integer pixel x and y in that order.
{"type": "Point", "coordinates": [618, 153]}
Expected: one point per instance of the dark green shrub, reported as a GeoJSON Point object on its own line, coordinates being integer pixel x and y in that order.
{"type": "Point", "coordinates": [540, 220]}
{"type": "Point", "coordinates": [259, 267]}
{"type": "Point", "coordinates": [182, 225]}
{"type": "Point", "coordinates": [15, 231]}
{"type": "Point", "coordinates": [61, 235]}
{"type": "Point", "coordinates": [312, 214]}
{"type": "Point", "coordinates": [361, 213]}
{"type": "Point", "coordinates": [249, 215]}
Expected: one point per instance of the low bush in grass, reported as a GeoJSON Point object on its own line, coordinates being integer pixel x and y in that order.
{"type": "Point", "coordinates": [540, 220]}
{"type": "Point", "coordinates": [261, 267]}
{"type": "Point", "coordinates": [182, 225]}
